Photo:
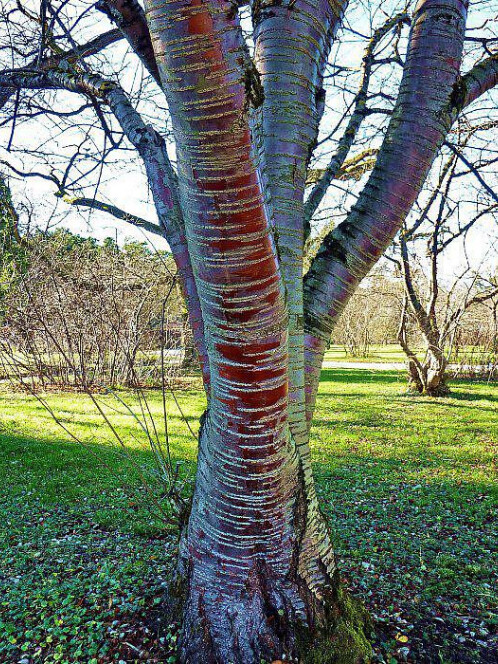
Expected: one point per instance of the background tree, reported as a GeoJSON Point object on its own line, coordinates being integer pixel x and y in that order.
{"type": "Point", "coordinates": [11, 245]}
{"type": "Point", "coordinates": [460, 200]}
{"type": "Point", "coordinates": [371, 316]}
{"type": "Point", "coordinates": [85, 314]}
{"type": "Point", "coordinates": [255, 558]}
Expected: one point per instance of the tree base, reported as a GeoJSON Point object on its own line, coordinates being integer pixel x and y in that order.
{"type": "Point", "coordinates": [344, 639]}
{"type": "Point", "coordinates": [442, 390]}
{"type": "Point", "coordinates": [261, 633]}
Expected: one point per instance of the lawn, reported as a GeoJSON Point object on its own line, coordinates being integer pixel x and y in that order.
{"type": "Point", "coordinates": [393, 353]}
{"type": "Point", "coordinates": [377, 353]}
{"type": "Point", "coordinates": [408, 484]}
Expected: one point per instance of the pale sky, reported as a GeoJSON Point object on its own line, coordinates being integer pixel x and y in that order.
{"type": "Point", "coordinates": [123, 183]}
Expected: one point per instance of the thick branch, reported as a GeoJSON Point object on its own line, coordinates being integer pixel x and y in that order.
{"type": "Point", "coordinates": [71, 57]}
{"type": "Point", "coordinates": [129, 16]}
{"type": "Point", "coordinates": [421, 120]}
{"type": "Point", "coordinates": [54, 79]}
{"type": "Point", "coordinates": [94, 46]}
{"type": "Point", "coordinates": [481, 78]}
{"type": "Point", "coordinates": [292, 42]}
{"type": "Point", "coordinates": [359, 113]}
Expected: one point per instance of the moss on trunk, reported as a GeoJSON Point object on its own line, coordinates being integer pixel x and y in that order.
{"type": "Point", "coordinates": [344, 638]}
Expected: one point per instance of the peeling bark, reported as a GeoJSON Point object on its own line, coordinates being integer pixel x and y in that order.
{"type": "Point", "coordinates": [421, 119]}
{"type": "Point", "coordinates": [292, 43]}
{"type": "Point", "coordinates": [256, 559]}
{"type": "Point", "coordinates": [244, 554]}
{"type": "Point", "coordinates": [240, 544]}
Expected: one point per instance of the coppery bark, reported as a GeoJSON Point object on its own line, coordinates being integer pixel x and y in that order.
{"type": "Point", "coordinates": [422, 117]}
{"type": "Point", "coordinates": [256, 557]}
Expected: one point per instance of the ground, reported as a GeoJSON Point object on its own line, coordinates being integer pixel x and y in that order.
{"type": "Point", "coordinates": [406, 482]}
{"type": "Point", "coordinates": [384, 354]}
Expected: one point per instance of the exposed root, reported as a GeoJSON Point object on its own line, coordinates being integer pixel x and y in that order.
{"type": "Point", "coordinates": [270, 621]}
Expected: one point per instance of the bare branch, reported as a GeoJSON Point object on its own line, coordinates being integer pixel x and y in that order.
{"type": "Point", "coordinates": [94, 204]}
{"type": "Point", "coordinates": [461, 231]}
{"type": "Point", "coordinates": [473, 170]}
{"type": "Point", "coordinates": [72, 57]}
{"type": "Point", "coordinates": [359, 113]}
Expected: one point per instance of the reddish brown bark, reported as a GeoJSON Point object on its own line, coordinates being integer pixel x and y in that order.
{"type": "Point", "coordinates": [423, 115]}
{"type": "Point", "coordinates": [256, 557]}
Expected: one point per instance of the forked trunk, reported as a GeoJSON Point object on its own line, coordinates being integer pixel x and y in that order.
{"type": "Point", "coordinates": [429, 376]}
{"type": "Point", "coordinates": [252, 580]}
{"type": "Point", "coordinates": [256, 560]}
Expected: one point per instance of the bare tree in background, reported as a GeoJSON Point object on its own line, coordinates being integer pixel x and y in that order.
{"type": "Point", "coordinates": [247, 89]}
{"type": "Point", "coordinates": [460, 204]}
{"type": "Point", "coordinates": [92, 315]}
{"type": "Point", "coordinates": [371, 316]}
{"type": "Point", "coordinates": [475, 343]}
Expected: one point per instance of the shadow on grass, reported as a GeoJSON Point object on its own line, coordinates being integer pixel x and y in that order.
{"type": "Point", "coordinates": [382, 376]}
{"type": "Point", "coordinates": [121, 488]}
{"type": "Point", "coordinates": [423, 546]}
{"type": "Point", "coordinates": [492, 395]}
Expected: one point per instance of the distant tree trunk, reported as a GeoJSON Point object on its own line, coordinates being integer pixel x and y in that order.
{"type": "Point", "coordinates": [190, 358]}
{"type": "Point", "coordinates": [427, 375]}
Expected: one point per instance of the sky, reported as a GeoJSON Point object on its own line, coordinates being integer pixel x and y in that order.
{"type": "Point", "coordinates": [122, 181]}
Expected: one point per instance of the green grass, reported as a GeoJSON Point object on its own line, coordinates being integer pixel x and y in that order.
{"type": "Point", "coordinates": [408, 484]}
{"type": "Point", "coordinates": [387, 353]}
{"type": "Point", "coordinates": [376, 353]}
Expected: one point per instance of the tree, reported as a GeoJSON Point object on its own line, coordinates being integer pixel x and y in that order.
{"type": "Point", "coordinates": [371, 315]}
{"type": "Point", "coordinates": [11, 245]}
{"type": "Point", "coordinates": [436, 303]}
{"type": "Point", "coordinates": [84, 314]}
{"type": "Point", "coordinates": [256, 560]}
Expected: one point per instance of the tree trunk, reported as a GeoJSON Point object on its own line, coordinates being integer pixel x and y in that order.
{"type": "Point", "coordinates": [190, 358]}
{"type": "Point", "coordinates": [256, 562]}
{"type": "Point", "coordinates": [429, 376]}
{"type": "Point", "coordinates": [255, 558]}
{"type": "Point", "coordinates": [246, 599]}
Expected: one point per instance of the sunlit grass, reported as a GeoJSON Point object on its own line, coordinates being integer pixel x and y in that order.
{"type": "Point", "coordinates": [408, 484]}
